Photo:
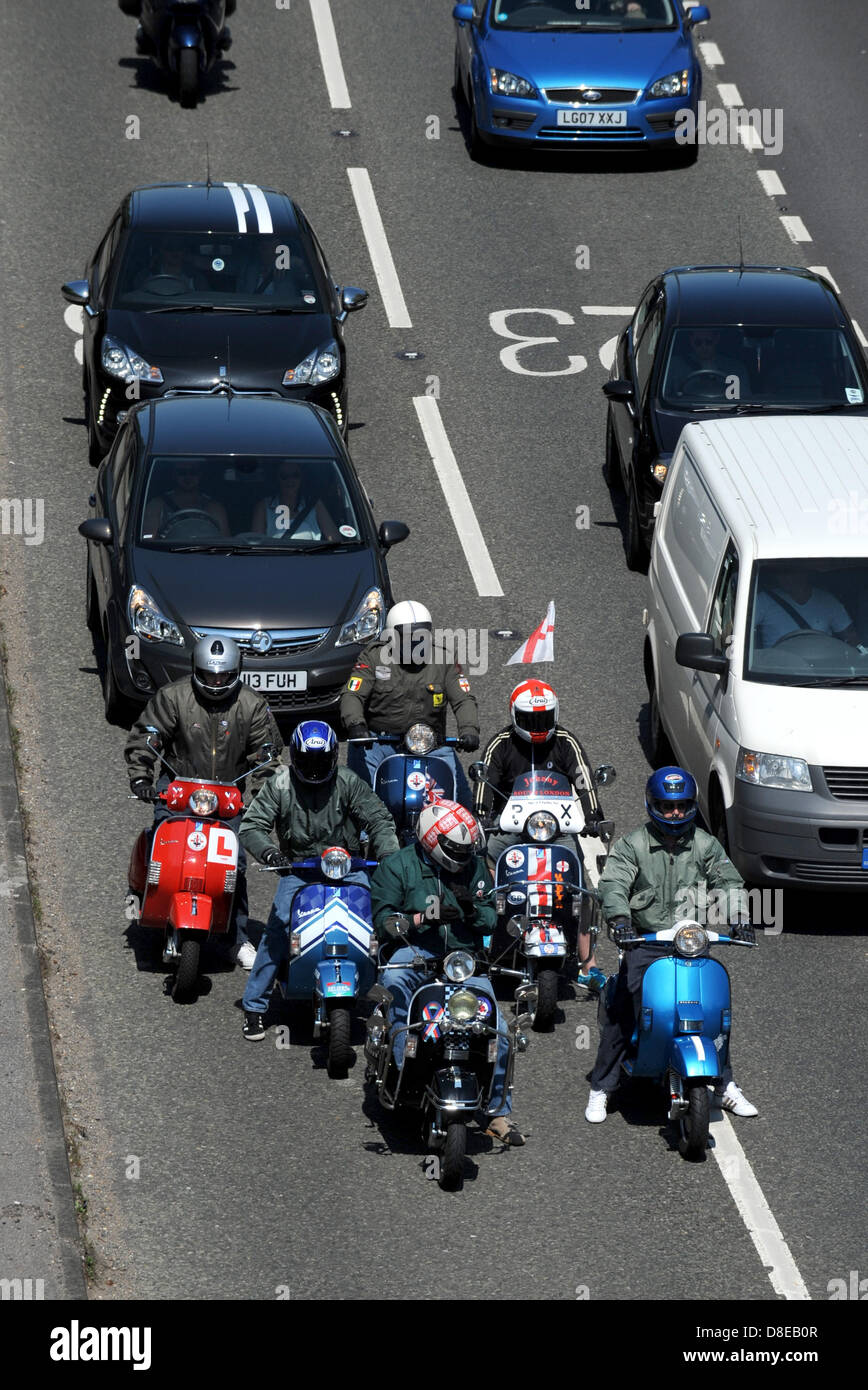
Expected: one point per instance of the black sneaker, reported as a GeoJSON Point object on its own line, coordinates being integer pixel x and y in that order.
{"type": "Point", "coordinates": [254, 1027]}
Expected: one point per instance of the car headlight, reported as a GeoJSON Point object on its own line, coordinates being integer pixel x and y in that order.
{"type": "Point", "coordinates": [462, 1007]}
{"type": "Point", "coordinates": [367, 621]}
{"type": "Point", "coordinates": [419, 739]}
{"type": "Point", "coordinates": [675, 85]}
{"type": "Point", "coordinates": [335, 863]}
{"type": "Point", "coordinates": [541, 826]}
{"type": "Point", "coordinates": [202, 802]}
{"type": "Point", "coordinates": [691, 941]}
{"type": "Point", "coordinates": [147, 621]}
{"type": "Point", "coordinates": [773, 770]}
{"type": "Point", "coordinates": [459, 966]}
{"type": "Point", "coordinates": [122, 362]}
{"type": "Point", "coordinates": [506, 84]}
{"type": "Point", "coordinates": [321, 365]}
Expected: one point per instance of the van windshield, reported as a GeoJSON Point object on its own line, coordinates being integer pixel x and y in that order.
{"type": "Point", "coordinates": [808, 622]}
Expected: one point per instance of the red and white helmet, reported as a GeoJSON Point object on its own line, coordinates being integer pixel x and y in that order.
{"type": "Point", "coordinates": [449, 834]}
{"type": "Point", "coordinates": [533, 709]}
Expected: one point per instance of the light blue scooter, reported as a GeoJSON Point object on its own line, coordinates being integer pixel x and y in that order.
{"type": "Point", "coordinates": [685, 1017]}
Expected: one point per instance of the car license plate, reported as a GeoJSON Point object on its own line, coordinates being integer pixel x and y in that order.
{"type": "Point", "coordinates": [272, 681]}
{"type": "Point", "coordinates": [594, 120]}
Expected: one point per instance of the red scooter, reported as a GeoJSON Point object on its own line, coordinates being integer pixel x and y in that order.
{"type": "Point", "coordinates": [186, 887]}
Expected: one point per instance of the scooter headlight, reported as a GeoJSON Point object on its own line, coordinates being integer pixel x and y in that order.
{"type": "Point", "coordinates": [542, 826]}
{"type": "Point", "coordinates": [335, 863]}
{"type": "Point", "coordinates": [202, 802]}
{"type": "Point", "coordinates": [459, 966]}
{"type": "Point", "coordinates": [691, 941]}
{"type": "Point", "coordinates": [462, 1007]}
{"type": "Point", "coordinates": [419, 739]}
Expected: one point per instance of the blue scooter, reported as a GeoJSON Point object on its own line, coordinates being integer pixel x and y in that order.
{"type": "Point", "coordinates": [682, 1038]}
{"type": "Point", "coordinates": [401, 780]}
{"type": "Point", "coordinates": [332, 949]}
{"type": "Point", "coordinates": [184, 37]}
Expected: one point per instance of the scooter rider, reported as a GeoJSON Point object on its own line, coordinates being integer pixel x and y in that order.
{"type": "Point", "coordinates": [403, 679]}
{"type": "Point", "coordinates": [534, 739]}
{"type": "Point", "coordinates": [443, 884]}
{"type": "Point", "coordinates": [313, 804]}
{"type": "Point", "coordinates": [643, 886]}
{"type": "Point", "coordinates": [212, 725]}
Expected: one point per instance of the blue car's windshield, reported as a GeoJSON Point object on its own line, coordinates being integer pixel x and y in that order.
{"type": "Point", "coordinates": [609, 16]}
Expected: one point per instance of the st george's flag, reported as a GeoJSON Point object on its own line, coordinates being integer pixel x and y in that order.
{"type": "Point", "coordinates": [540, 646]}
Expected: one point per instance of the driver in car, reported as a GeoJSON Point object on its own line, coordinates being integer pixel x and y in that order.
{"type": "Point", "coordinates": [705, 370]}
{"type": "Point", "coordinates": [792, 604]}
{"type": "Point", "coordinates": [185, 496]}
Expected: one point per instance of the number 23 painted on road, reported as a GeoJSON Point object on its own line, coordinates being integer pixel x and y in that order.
{"type": "Point", "coordinates": [509, 355]}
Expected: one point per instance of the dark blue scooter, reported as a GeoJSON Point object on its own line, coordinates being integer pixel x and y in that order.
{"type": "Point", "coordinates": [682, 1038]}
{"type": "Point", "coordinates": [184, 37]}
{"type": "Point", "coordinates": [332, 949]}
{"type": "Point", "coordinates": [401, 780]}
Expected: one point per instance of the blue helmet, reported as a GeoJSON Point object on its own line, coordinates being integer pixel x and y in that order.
{"type": "Point", "coordinates": [670, 799]}
{"type": "Point", "coordinates": [313, 751]}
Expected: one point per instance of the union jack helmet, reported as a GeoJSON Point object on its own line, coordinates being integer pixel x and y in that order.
{"type": "Point", "coordinates": [449, 834]}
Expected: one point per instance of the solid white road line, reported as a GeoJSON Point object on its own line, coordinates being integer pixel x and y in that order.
{"type": "Point", "coordinates": [330, 55]}
{"type": "Point", "coordinates": [378, 249]}
{"type": "Point", "coordinates": [754, 1210]}
{"type": "Point", "coordinates": [618, 311]}
{"type": "Point", "coordinates": [796, 229]}
{"type": "Point", "coordinates": [711, 55]}
{"type": "Point", "coordinates": [729, 94]}
{"type": "Point", "coordinates": [827, 275]}
{"type": "Point", "coordinates": [771, 182]}
{"type": "Point", "coordinates": [457, 499]}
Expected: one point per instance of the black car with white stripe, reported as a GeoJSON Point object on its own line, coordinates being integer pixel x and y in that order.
{"type": "Point", "coordinates": [198, 283]}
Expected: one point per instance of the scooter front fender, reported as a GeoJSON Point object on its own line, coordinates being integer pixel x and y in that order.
{"type": "Point", "coordinates": [191, 912]}
{"type": "Point", "coordinates": [336, 979]}
{"type": "Point", "coordinates": [694, 1056]}
{"type": "Point", "coordinates": [451, 1088]}
{"type": "Point", "coordinates": [186, 36]}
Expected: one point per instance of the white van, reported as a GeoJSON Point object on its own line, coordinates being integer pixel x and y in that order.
{"type": "Point", "coordinates": [756, 654]}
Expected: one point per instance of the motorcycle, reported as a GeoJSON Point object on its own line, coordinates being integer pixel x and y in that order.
{"type": "Point", "coordinates": [184, 886]}
{"type": "Point", "coordinates": [405, 782]}
{"type": "Point", "coordinates": [450, 1051]}
{"type": "Point", "coordinates": [544, 884]}
{"type": "Point", "coordinates": [332, 959]}
{"type": "Point", "coordinates": [183, 37]}
{"type": "Point", "coordinates": [682, 1038]}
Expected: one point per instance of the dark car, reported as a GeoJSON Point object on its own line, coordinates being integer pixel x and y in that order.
{"type": "Point", "coordinates": [238, 515]}
{"type": "Point", "coordinates": [711, 341]}
{"type": "Point", "coordinates": [195, 283]}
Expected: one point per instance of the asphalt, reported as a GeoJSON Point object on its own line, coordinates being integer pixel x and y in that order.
{"type": "Point", "coordinates": [255, 1171]}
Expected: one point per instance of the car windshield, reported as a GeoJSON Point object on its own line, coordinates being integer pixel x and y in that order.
{"type": "Point", "coordinates": [245, 502]}
{"type": "Point", "coordinates": [808, 619]}
{"type": "Point", "coordinates": [174, 269]}
{"type": "Point", "coordinates": [610, 16]}
{"type": "Point", "coordinates": [794, 368]}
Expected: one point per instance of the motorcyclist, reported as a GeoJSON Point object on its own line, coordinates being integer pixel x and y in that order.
{"type": "Point", "coordinates": [443, 884]}
{"type": "Point", "coordinates": [212, 725]}
{"type": "Point", "coordinates": [313, 804]}
{"type": "Point", "coordinates": [151, 14]}
{"type": "Point", "coordinates": [404, 679]}
{"type": "Point", "coordinates": [534, 739]}
{"type": "Point", "coordinates": [643, 885]}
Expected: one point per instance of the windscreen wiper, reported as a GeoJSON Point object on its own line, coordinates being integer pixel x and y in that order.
{"type": "Point", "coordinates": [830, 681]}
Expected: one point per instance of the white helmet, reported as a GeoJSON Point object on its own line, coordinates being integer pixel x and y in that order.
{"type": "Point", "coordinates": [449, 834]}
{"type": "Point", "coordinates": [410, 629]}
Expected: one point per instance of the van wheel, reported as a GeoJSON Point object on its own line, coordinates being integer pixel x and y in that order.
{"type": "Point", "coordinates": [718, 820]}
{"type": "Point", "coordinates": [637, 550]}
{"type": "Point", "coordinates": [661, 749]}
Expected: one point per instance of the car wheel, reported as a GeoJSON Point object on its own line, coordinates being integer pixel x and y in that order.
{"type": "Point", "coordinates": [637, 550]}
{"type": "Point", "coordinates": [612, 466]}
{"type": "Point", "coordinates": [478, 144]}
{"type": "Point", "coordinates": [118, 708]}
{"type": "Point", "coordinates": [457, 85]}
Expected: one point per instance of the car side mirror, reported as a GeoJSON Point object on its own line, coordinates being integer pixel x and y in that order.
{"type": "Point", "coordinates": [604, 774]}
{"type": "Point", "coordinates": [465, 14]}
{"type": "Point", "coordinates": [618, 390]}
{"type": "Point", "coordinates": [76, 291]}
{"type": "Point", "coordinates": [697, 651]}
{"type": "Point", "coordinates": [392, 533]}
{"type": "Point", "coordinates": [478, 772]}
{"type": "Point", "coordinates": [97, 529]}
{"type": "Point", "coordinates": [700, 14]}
{"type": "Point", "coordinates": [353, 298]}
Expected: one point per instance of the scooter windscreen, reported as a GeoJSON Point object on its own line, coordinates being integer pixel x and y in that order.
{"type": "Point", "coordinates": [400, 782]}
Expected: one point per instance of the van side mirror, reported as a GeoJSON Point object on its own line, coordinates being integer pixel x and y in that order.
{"type": "Point", "coordinates": [697, 651]}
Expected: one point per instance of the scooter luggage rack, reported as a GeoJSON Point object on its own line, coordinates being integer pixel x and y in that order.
{"type": "Point", "coordinates": [593, 932]}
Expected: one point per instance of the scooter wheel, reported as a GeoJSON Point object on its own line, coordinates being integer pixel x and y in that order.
{"type": "Point", "coordinates": [693, 1124]}
{"type": "Point", "coordinates": [188, 969]}
{"type": "Point", "coordinates": [546, 1000]}
{"type": "Point", "coordinates": [188, 76]}
{"type": "Point", "coordinates": [340, 1053]}
{"type": "Point", "coordinates": [452, 1158]}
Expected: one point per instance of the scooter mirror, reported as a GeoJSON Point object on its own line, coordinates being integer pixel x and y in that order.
{"type": "Point", "coordinates": [517, 926]}
{"type": "Point", "coordinates": [397, 923]}
{"type": "Point", "coordinates": [604, 774]}
{"type": "Point", "coordinates": [478, 772]}
{"type": "Point", "coordinates": [268, 752]}
{"type": "Point", "coordinates": [154, 739]}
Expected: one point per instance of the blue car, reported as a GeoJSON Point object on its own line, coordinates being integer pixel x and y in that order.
{"type": "Point", "coordinates": [571, 74]}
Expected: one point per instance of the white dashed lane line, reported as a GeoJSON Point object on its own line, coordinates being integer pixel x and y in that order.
{"type": "Point", "coordinates": [796, 229]}
{"type": "Point", "coordinates": [827, 275]}
{"type": "Point", "coordinates": [330, 55]}
{"type": "Point", "coordinates": [378, 249]}
{"type": "Point", "coordinates": [771, 182]}
{"type": "Point", "coordinates": [711, 55]}
{"type": "Point", "coordinates": [729, 94]}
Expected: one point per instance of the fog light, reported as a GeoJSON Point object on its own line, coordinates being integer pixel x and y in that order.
{"type": "Point", "coordinates": [647, 1020]}
{"type": "Point", "coordinates": [295, 943]}
{"type": "Point", "coordinates": [577, 905]}
{"type": "Point", "coordinates": [725, 1020]}
{"type": "Point", "coordinates": [229, 881]}
{"type": "Point", "coordinates": [500, 903]}
{"type": "Point", "coordinates": [410, 1045]}
{"type": "Point", "coordinates": [659, 471]}
{"type": "Point", "coordinates": [690, 1025]}
{"type": "Point", "coordinates": [492, 1049]}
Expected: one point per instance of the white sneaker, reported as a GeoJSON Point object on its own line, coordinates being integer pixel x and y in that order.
{"type": "Point", "coordinates": [733, 1100]}
{"type": "Point", "coordinates": [246, 955]}
{"type": "Point", "coordinates": [595, 1111]}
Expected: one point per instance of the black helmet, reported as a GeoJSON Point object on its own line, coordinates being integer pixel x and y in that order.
{"type": "Point", "coordinates": [216, 667]}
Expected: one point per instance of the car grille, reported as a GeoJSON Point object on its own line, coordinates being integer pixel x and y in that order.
{"type": "Point", "coordinates": [284, 641]}
{"type": "Point", "coordinates": [322, 698]}
{"type": "Point", "coordinates": [847, 783]}
{"type": "Point", "coordinates": [850, 874]}
{"type": "Point", "coordinates": [576, 95]}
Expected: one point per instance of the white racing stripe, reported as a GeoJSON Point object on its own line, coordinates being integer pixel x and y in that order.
{"type": "Point", "coordinates": [330, 55]}
{"type": "Point", "coordinates": [457, 498]}
{"type": "Point", "coordinates": [378, 249]}
{"type": "Point", "coordinates": [260, 207]}
{"type": "Point", "coordinates": [242, 207]}
{"type": "Point", "coordinates": [755, 1211]}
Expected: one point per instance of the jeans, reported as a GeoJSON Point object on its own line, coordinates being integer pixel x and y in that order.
{"type": "Point", "coordinates": [274, 942]}
{"type": "Point", "coordinates": [365, 760]}
{"type": "Point", "coordinates": [403, 985]}
{"type": "Point", "coordinates": [236, 931]}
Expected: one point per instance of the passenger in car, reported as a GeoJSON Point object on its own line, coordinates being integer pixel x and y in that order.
{"type": "Point", "coordinates": [290, 513]}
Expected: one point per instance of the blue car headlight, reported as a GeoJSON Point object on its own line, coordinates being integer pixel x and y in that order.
{"type": "Point", "coordinates": [507, 84]}
{"type": "Point", "coordinates": [675, 85]}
